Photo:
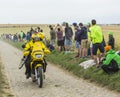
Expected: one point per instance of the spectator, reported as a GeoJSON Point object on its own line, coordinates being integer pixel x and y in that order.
{"type": "Point", "coordinates": [77, 39]}
{"type": "Point", "coordinates": [15, 37]}
{"type": "Point", "coordinates": [24, 35]}
{"type": "Point", "coordinates": [28, 36]}
{"type": "Point", "coordinates": [68, 38]}
{"type": "Point", "coordinates": [111, 63]}
{"type": "Point", "coordinates": [98, 51]}
{"type": "Point", "coordinates": [21, 35]}
{"type": "Point", "coordinates": [60, 40]}
{"type": "Point", "coordinates": [38, 29]}
{"type": "Point", "coordinates": [50, 47]}
{"type": "Point", "coordinates": [97, 38]}
{"type": "Point", "coordinates": [111, 40]}
{"type": "Point", "coordinates": [89, 40]}
{"type": "Point", "coordinates": [58, 26]}
{"type": "Point", "coordinates": [31, 31]}
{"type": "Point", "coordinates": [84, 40]}
{"type": "Point", "coordinates": [74, 24]}
{"type": "Point", "coordinates": [52, 36]}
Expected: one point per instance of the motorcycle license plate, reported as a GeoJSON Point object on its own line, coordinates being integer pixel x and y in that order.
{"type": "Point", "coordinates": [38, 56]}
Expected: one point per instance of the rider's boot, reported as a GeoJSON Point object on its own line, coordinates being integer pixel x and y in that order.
{"type": "Point", "coordinates": [28, 75]}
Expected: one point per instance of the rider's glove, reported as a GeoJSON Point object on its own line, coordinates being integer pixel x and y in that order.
{"type": "Point", "coordinates": [23, 59]}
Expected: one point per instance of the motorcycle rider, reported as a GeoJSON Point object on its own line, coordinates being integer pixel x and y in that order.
{"type": "Point", "coordinates": [28, 47]}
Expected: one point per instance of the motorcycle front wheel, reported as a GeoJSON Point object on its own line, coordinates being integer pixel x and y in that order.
{"type": "Point", "coordinates": [40, 76]}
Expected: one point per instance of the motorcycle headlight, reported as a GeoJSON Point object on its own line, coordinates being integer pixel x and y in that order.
{"type": "Point", "coordinates": [38, 56]}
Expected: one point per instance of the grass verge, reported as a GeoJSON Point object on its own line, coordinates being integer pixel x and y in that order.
{"type": "Point", "coordinates": [92, 74]}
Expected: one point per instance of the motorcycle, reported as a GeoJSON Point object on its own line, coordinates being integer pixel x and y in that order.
{"type": "Point", "coordinates": [37, 66]}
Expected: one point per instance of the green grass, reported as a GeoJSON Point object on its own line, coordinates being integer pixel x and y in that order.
{"type": "Point", "coordinates": [15, 44]}
{"type": "Point", "coordinates": [92, 74]}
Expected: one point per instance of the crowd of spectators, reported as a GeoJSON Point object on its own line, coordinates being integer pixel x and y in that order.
{"type": "Point", "coordinates": [14, 37]}
{"type": "Point", "coordinates": [86, 40]}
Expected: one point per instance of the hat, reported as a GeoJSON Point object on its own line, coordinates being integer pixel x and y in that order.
{"type": "Point", "coordinates": [107, 48]}
{"type": "Point", "coordinates": [89, 24]}
{"type": "Point", "coordinates": [74, 24]}
{"type": "Point", "coordinates": [110, 33]}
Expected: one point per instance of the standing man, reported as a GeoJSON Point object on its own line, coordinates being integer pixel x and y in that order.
{"type": "Point", "coordinates": [58, 26]}
{"type": "Point", "coordinates": [97, 38]}
{"type": "Point", "coordinates": [52, 36]}
{"type": "Point", "coordinates": [68, 38]}
{"type": "Point", "coordinates": [60, 41]}
{"type": "Point", "coordinates": [21, 35]}
{"type": "Point", "coordinates": [89, 40]}
{"type": "Point", "coordinates": [84, 40]}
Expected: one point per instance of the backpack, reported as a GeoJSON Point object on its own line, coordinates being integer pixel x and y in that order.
{"type": "Point", "coordinates": [51, 47]}
{"type": "Point", "coordinates": [83, 33]}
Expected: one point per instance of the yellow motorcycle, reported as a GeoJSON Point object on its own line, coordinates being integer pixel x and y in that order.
{"type": "Point", "coordinates": [35, 52]}
{"type": "Point", "coordinates": [38, 67]}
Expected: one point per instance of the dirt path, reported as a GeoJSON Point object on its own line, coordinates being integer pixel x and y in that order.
{"type": "Point", "coordinates": [58, 83]}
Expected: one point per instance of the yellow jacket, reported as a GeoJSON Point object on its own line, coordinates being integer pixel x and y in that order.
{"type": "Point", "coordinates": [96, 34]}
{"type": "Point", "coordinates": [29, 47]}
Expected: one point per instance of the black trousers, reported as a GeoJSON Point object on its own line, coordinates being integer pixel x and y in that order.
{"type": "Point", "coordinates": [27, 65]}
{"type": "Point", "coordinates": [44, 65]}
{"type": "Point", "coordinates": [111, 68]}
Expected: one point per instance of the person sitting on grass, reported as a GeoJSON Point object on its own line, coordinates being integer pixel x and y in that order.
{"type": "Point", "coordinates": [111, 62]}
